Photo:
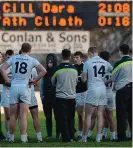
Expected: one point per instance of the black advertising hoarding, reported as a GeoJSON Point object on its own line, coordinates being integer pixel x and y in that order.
{"type": "Point", "coordinates": [58, 15]}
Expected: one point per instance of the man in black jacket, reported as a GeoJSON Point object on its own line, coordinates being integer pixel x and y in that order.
{"type": "Point", "coordinates": [48, 95]}
{"type": "Point", "coordinates": [81, 91]}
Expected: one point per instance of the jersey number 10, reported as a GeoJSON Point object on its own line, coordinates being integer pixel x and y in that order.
{"type": "Point", "coordinates": [21, 68]}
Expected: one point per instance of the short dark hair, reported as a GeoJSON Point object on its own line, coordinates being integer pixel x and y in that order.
{"type": "Point", "coordinates": [78, 53]}
{"type": "Point", "coordinates": [20, 52]}
{"type": "Point", "coordinates": [66, 54]}
{"type": "Point", "coordinates": [93, 49]}
{"type": "Point", "coordinates": [104, 55]}
{"type": "Point", "coordinates": [124, 48]}
{"type": "Point", "coordinates": [9, 52]}
{"type": "Point", "coordinates": [26, 47]}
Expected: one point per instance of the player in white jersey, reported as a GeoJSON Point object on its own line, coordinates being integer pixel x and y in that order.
{"type": "Point", "coordinates": [2, 137]}
{"type": "Point", "coordinates": [20, 93]}
{"type": "Point", "coordinates": [110, 95]}
{"type": "Point", "coordinates": [5, 95]}
{"type": "Point", "coordinates": [34, 109]}
{"type": "Point", "coordinates": [94, 70]}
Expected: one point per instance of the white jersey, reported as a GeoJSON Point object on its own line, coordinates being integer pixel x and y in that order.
{"type": "Point", "coordinates": [108, 77]}
{"type": "Point", "coordinates": [109, 90]}
{"type": "Point", "coordinates": [33, 75]}
{"type": "Point", "coordinates": [9, 72]}
{"type": "Point", "coordinates": [96, 68]}
{"type": "Point", "coordinates": [1, 86]}
{"type": "Point", "coordinates": [22, 66]}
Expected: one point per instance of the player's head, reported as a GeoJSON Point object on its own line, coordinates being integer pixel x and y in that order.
{"type": "Point", "coordinates": [92, 51]}
{"type": "Point", "coordinates": [9, 53]}
{"type": "Point", "coordinates": [51, 60]}
{"type": "Point", "coordinates": [1, 57]}
{"type": "Point", "coordinates": [124, 49]}
{"type": "Point", "coordinates": [104, 55]}
{"type": "Point", "coordinates": [26, 48]}
{"type": "Point", "coordinates": [20, 52]}
{"type": "Point", "coordinates": [78, 57]}
{"type": "Point", "coordinates": [66, 54]}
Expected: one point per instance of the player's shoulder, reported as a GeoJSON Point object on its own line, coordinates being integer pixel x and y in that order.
{"type": "Point", "coordinates": [14, 57]}
{"type": "Point", "coordinates": [29, 57]}
{"type": "Point", "coordinates": [88, 61]}
{"type": "Point", "coordinates": [72, 66]}
{"type": "Point", "coordinates": [34, 60]}
{"type": "Point", "coordinates": [106, 62]}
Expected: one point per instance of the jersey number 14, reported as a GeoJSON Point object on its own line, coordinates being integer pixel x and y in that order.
{"type": "Point", "coordinates": [101, 70]}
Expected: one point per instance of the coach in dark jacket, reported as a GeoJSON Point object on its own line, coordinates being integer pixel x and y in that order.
{"type": "Point", "coordinates": [48, 95]}
{"type": "Point", "coordinates": [65, 78]}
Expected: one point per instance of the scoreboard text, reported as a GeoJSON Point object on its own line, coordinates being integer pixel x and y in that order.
{"type": "Point", "coordinates": [69, 15]}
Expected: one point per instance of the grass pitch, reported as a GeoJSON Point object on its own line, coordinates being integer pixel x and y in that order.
{"type": "Point", "coordinates": [54, 142]}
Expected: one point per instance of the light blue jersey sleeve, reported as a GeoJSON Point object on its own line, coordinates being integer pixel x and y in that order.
{"type": "Point", "coordinates": [85, 67]}
{"type": "Point", "coordinates": [35, 63]}
{"type": "Point", "coordinates": [10, 60]}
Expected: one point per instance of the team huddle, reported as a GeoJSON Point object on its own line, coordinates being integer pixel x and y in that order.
{"type": "Point", "coordinates": [88, 87]}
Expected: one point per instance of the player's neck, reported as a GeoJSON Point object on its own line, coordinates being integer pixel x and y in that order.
{"type": "Point", "coordinates": [125, 55]}
{"type": "Point", "coordinates": [95, 54]}
{"type": "Point", "coordinates": [65, 61]}
{"type": "Point", "coordinates": [79, 63]}
{"type": "Point", "coordinates": [25, 54]}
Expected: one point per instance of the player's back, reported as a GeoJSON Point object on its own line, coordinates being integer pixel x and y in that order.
{"type": "Point", "coordinates": [22, 66]}
{"type": "Point", "coordinates": [97, 68]}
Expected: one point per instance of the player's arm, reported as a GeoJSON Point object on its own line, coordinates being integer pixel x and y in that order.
{"type": "Point", "coordinates": [84, 77]}
{"type": "Point", "coordinates": [3, 69]}
{"type": "Point", "coordinates": [115, 72]}
{"type": "Point", "coordinates": [41, 72]}
{"type": "Point", "coordinates": [107, 81]}
{"type": "Point", "coordinates": [84, 74]}
{"type": "Point", "coordinates": [110, 68]}
{"type": "Point", "coordinates": [114, 86]}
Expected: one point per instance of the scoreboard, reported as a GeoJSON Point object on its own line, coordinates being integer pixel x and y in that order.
{"type": "Point", "coordinates": [58, 15]}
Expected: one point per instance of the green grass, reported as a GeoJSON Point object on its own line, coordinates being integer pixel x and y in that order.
{"type": "Point", "coordinates": [57, 143]}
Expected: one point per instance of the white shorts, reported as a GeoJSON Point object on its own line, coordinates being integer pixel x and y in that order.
{"type": "Point", "coordinates": [20, 94]}
{"type": "Point", "coordinates": [80, 98]}
{"type": "Point", "coordinates": [96, 96]}
{"type": "Point", "coordinates": [33, 100]}
{"type": "Point", "coordinates": [5, 100]}
{"type": "Point", "coordinates": [111, 105]}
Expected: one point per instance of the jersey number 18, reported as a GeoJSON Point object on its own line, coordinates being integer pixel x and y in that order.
{"type": "Point", "coordinates": [21, 68]}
